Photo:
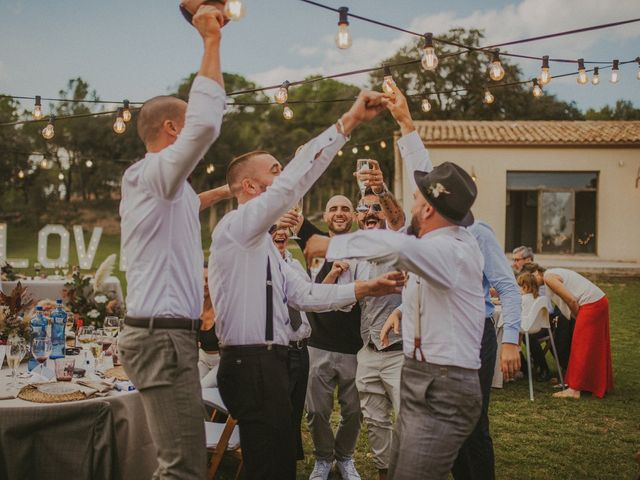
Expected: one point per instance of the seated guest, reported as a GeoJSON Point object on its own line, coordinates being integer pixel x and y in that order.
{"type": "Point", "coordinates": [520, 257]}
{"type": "Point", "coordinates": [590, 367]}
{"type": "Point", "coordinates": [208, 354]}
{"type": "Point", "coordinates": [529, 290]}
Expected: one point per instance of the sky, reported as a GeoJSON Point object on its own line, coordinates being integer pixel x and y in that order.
{"type": "Point", "coordinates": [136, 49]}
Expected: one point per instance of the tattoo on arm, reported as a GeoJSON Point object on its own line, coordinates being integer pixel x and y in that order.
{"type": "Point", "coordinates": [391, 208]}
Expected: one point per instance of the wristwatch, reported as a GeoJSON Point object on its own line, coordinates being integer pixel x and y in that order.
{"type": "Point", "coordinates": [383, 193]}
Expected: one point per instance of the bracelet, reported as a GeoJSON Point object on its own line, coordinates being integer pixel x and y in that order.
{"type": "Point", "coordinates": [383, 193]}
{"type": "Point", "coordinates": [341, 129]}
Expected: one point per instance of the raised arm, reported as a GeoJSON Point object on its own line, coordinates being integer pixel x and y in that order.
{"type": "Point", "coordinates": [213, 196]}
{"type": "Point", "coordinates": [374, 178]}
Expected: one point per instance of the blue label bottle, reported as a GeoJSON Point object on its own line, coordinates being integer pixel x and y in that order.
{"type": "Point", "coordinates": [38, 326]}
{"type": "Point", "coordinates": [58, 326]}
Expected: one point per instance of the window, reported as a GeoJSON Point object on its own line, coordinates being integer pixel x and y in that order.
{"type": "Point", "coordinates": [554, 212]}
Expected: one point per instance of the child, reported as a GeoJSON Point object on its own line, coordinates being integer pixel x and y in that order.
{"type": "Point", "coordinates": [529, 289]}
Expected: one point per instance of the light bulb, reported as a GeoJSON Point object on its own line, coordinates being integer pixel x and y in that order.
{"type": "Point", "coordinates": [61, 176]}
{"type": "Point", "coordinates": [340, 153]}
{"type": "Point", "coordinates": [388, 82]}
{"type": "Point", "coordinates": [488, 97]}
{"type": "Point", "coordinates": [429, 59]}
{"type": "Point", "coordinates": [234, 9]}
{"type": "Point", "coordinates": [582, 74]}
{"type": "Point", "coordinates": [44, 163]}
{"type": "Point", "coordinates": [595, 80]}
{"type": "Point", "coordinates": [126, 113]}
{"type": "Point", "coordinates": [425, 105]}
{"type": "Point", "coordinates": [20, 174]}
{"type": "Point", "coordinates": [88, 164]}
{"type": "Point", "coordinates": [48, 132]}
{"type": "Point", "coordinates": [37, 109]}
{"type": "Point", "coordinates": [282, 94]}
{"type": "Point", "coordinates": [343, 37]}
{"type": "Point", "coordinates": [496, 71]}
{"type": "Point", "coordinates": [638, 72]}
{"type": "Point", "coordinates": [615, 72]}
{"type": "Point", "coordinates": [287, 113]}
{"type": "Point", "coordinates": [119, 126]}
{"type": "Point", "coordinates": [545, 76]}
{"type": "Point", "coordinates": [354, 150]}
{"type": "Point", "coordinates": [383, 144]}
{"type": "Point", "coordinates": [537, 91]}
{"type": "Point", "coordinates": [367, 148]}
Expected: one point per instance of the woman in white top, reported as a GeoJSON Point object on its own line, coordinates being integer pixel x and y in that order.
{"type": "Point", "coordinates": [590, 367]}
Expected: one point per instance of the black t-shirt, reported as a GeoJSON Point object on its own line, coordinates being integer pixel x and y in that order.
{"type": "Point", "coordinates": [334, 331]}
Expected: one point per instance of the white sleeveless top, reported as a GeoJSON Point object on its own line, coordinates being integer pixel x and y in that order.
{"type": "Point", "coordinates": [581, 288]}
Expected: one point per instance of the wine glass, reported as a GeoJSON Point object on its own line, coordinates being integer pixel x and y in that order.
{"type": "Point", "coordinates": [86, 336]}
{"type": "Point", "coordinates": [56, 271]}
{"type": "Point", "coordinates": [111, 326]}
{"type": "Point", "coordinates": [363, 166]}
{"type": "Point", "coordinates": [65, 269]}
{"type": "Point", "coordinates": [37, 269]}
{"type": "Point", "coordinates": [41, 350]}
{"type": "Point", "coordinates": [16, 350]}
{"type": "Point", "coordinates": [297, 209]}
{"type": "Point", "coordinates": [97, 347]}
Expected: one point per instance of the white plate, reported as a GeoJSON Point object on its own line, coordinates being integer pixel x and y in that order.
{"type": "Point", "coordinates": [58, 388]}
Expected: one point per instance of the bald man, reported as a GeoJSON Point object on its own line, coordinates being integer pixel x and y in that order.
{"type": "Point", "coordinates": [334, 343]}
{"type": "Point", "coordinates": [161, 239]}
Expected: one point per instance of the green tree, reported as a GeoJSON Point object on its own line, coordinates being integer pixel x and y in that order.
{"type": "Point", "coordinates": [624, 110]}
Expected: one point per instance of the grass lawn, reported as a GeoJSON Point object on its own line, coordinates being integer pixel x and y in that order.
{"type": "Point", "coordinates": [547, 438]}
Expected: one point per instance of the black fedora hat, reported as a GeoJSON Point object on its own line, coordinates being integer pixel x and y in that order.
{"type": "Point", "coordinates": [450, 190]}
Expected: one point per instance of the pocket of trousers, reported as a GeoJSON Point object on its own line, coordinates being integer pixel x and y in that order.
{"type": "Point", "coordinates": [150, 359]}
{"type": "Point", "coordinates": [241, 387]}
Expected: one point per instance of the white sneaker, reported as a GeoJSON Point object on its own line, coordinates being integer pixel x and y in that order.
{"type": "Point", "coordinates": [347, 469]}
{"type": "Point", "coordinates": [321, 470]}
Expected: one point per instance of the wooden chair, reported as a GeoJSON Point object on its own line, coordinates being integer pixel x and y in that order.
{"type": "Point", "coordinates": [221, 438]}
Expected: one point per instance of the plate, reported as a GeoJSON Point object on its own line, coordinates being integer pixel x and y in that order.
{"type": "Point", "coordinates": [58, 388]}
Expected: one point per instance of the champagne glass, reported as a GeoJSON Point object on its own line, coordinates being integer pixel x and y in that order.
{"type": "Point", "coordinates": [37, 269]}
{"type": "Point", "coordinates": [363, 166]}
{"type": "Point", "coordinates": [16, 350]}
{"type": "Point", "coordinates": [297, 209]}
{"type": "Point", "coordinates": [97, 346]}
{"type": "Point", "coordinates": [41, 350]}
{"type": "Point", "coordinates": [86, 337]}
{"type": "Point", "coordinates": [65, 269]}
{"type": "Point", "coordinates": [111, 326]}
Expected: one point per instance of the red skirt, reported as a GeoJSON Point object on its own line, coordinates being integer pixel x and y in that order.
{"type": "Point", "coordinates": [590, 367]}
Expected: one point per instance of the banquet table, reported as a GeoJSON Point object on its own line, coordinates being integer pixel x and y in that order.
{"type": "Point", "coordinates": [51, 288]}
{"type": "Point", "coordinates": [98, 438]}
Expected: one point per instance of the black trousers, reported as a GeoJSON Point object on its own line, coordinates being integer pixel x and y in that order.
{"type": "Point", "coordinates": [562, 336]}
{"type": "Point", "coordinates": [254, 385]}
{"type": "Point", "coordinates": [298, 378]}
{"type": "Point", "coordinates": [475, 458]}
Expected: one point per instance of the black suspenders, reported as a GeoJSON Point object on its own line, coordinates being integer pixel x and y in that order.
{"type": "Point", "coordinates": [269, 329]}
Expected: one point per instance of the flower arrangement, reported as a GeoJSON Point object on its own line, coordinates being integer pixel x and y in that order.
{"type": "Point", "coordinates": [13, 308]}
{"type": "Point", "coordinates": [7, 272]}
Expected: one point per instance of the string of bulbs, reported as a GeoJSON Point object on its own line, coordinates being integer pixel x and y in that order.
{"type": "Point", "coordinates": [234, 9]}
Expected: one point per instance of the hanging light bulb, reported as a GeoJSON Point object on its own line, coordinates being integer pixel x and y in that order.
{"type": "Point", "coordinates": [425, 105]}
{"type": "Point", "coordinates": [37, 109]}
{"type": "Point", "coordinates": [596, 76]}
{"type": "Point", "coordinates": [615, 71]}
{"type": "Point", "coordinates": [343, 37]}
{"type": "Point", "coordinates": [488, 97]}
{"type": "Point", "coordinates": [119, 126]}
{"type": "Point", "coordinates": [367, 148]}
{"type": "Point", "coordinates": [582, 74]}
{"type": "Point", "coordinates": [496, 71]}
{"type": "Point", "coordinates": [537, 91]}
{"type": "Point", "coordinates": [88, 164]}
{"type": "Point", "coordinates": [20, 174]}
{"type": "Point", "coordinates": [126, 113]}
{"type": "Point", "coordinates": [388, 82]}
{"type": "Point", "coordinates": [638, 72]}
{"type": "Point", "coordinates": [287, 113]}
{"type": "Point", "coordinates": [210, 169]}
{"type": "Point", "coordinates": [383, 144]}
{"type": "Point", "coordinates": [61, 176]}
{"type": "Point", "coordinates": [282, 94]}
{"type": "Point", "coordinates": [48, 132]}
{"type": "Point", "coordinates": [354, 150]}
{"type": "Point", "coordinates": [429, 59]}
{"type": "Point", "coordinates": [234, 9]}
{"type": "Point", "coordinates": [545, 76]}
{"type": "Point", "coordinates": [340, 153]}
{"type": "Point", "coordinates": [44, 164]}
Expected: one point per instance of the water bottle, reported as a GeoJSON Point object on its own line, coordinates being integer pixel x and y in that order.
{"type": "Point", "coordinates": [38, 325]}
{"type": "Point", "coordinates": [58, 326]}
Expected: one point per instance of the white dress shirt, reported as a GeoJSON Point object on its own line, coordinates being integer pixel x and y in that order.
{"type": "Point", "coordinates": [305, 329]}
{"type": "Point", "coordinates": [445, 286]}
{"type": "Point", "coordinates": [160, 226]}
{"type": "Point", "coordinates": [241, 245]}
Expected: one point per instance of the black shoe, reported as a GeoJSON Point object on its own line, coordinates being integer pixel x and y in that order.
{"type": "Point", "coordinates": [543, 376]}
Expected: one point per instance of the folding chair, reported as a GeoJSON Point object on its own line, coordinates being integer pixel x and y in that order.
{"type": "Point", "coordinates": [221, 438]}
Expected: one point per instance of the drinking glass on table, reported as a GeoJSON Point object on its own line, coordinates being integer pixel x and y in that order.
{"type": "Point", "coordinates": [41, 350]}
{"type": "Point", "coordinates": [65, 269]}
{"type": "Point", "coordinates": [87, 337]}
{"type": "Point", "coordinates": [100, 342]}
{"type": "Point", "coordinates": [16, 350]}
{"type": "Point", "coordinates": [297, 209]}
{"type": "Point", "coordinates": [111, 326]}
{"type": "Point", "coordinates": [363, 166]}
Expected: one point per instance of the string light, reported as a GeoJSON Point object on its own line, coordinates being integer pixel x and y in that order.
{"type": "Point", "coordinates": [354, 150]}
{"type": "Point", "coordinates": [126, 112]}
{"type": "Point", "coordinates": [595, 80]}
{"type": "Point", "coordinates": [282, 94]}
{"type": "Point", "coordinates": [545, 76]}
{"type": "Point", "coordinates": [615, 71]}
{"type": "Point", "coordinates": [234, 9]}
{"type": "Point", "coordinates": [383, 144]}
{"type": "Point", "coordinates": [537, 91]}
{"type": "Point", "coordinates": [582, 74]}
{"type": "Point", "coordinates": [340, 153]}
{"type": "Point", "coordinates": [387, 82]}
{"type": "Point", "coordinates": [638, 72]}
{"type": "Point", "coordinates": [119, 126]}
{"type": "Point", "coordinates": [21, 174]}
{"type": "Point", "coordinates": [496, 71]}
{"type": "Point", "coordinates": [429, 58]}
{"type": "Point", "coordinates": [367, 148]}
{"type": "Point", "coordinates": [49, 132]}
{"type": "Point", "coordinates": [425, 105]}
{"type": "Point", "coordinates": [343, 37]}
{"type": "Point", "coordinates": [488, 97]}
{"type": "Point", "coordinates": [88, 164]}
{"type": "Point", "coordinates": [44, 164]}
{"type": "Point", "coordinates": [37, 109]}
{"type": "Point", "coordinates": [61, 176]}
{"type": "Point", "coordinates": [287, 113]}
{"type": "Point", "coordinates": [210, 169]}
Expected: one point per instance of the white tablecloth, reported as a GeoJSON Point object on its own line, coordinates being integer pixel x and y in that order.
{"type": "Point", "coordinates": [41, 288]}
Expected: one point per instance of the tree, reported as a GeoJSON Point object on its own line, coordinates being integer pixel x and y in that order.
{"type": "Point", "coordinates": [624, 110]}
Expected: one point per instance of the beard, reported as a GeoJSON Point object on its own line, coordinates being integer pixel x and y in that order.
{"type": "Point", "coordinates": [368, 223]}
{"type": "Point", "coordinates": [414, 227]}
{"type": "Point", "coordinates": [339, 229]}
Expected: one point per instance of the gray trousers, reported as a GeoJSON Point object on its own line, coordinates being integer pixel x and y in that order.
{"type": "Point", "coordinates": [439, 407]}
{"type": "Point", "coordinates": [163, 365]}
{"type": "Point", "coordinates": [378, 383]}
{"type": "Point", "coordinates": [328, 370]}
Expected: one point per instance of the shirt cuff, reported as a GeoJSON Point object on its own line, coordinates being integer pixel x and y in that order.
{"type": "Point", "coordinates": [346, 294]}
{"type": "Point", "coordinates": [510, 335]}
{"type": "Point", "coordinates": [410, 143]}
{"type": "Point", "coordinates": [338, 248]}
{"type": "Point", "coordinates": [207, 86]}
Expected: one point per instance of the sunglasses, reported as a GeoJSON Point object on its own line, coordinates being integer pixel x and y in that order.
{"type": "Point", "coordinates": [363, 208]}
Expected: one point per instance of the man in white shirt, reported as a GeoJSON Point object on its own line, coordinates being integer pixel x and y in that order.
{"type": "Point", "coordinates": [161, 239]}
{"type": "Point", "coordinates": [251, 288]}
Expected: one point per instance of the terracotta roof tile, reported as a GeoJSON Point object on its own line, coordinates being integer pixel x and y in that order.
{"type": "Point", "coordinates": [530, 133]}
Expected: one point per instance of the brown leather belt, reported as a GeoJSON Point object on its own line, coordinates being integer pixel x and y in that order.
{"type": "Point", "coordinates": [394, 347]}
{"type": "Point", "coordinates": [164, 322]}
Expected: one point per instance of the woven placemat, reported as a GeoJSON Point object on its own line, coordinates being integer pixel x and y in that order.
{"type": "Point", "coordinates": [31, 393]}
{"type": "Point", "coordinates": [117, 372]}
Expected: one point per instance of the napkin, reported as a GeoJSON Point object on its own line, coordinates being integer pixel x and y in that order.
{"type": "Point", "coordinates": [97, 386]}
